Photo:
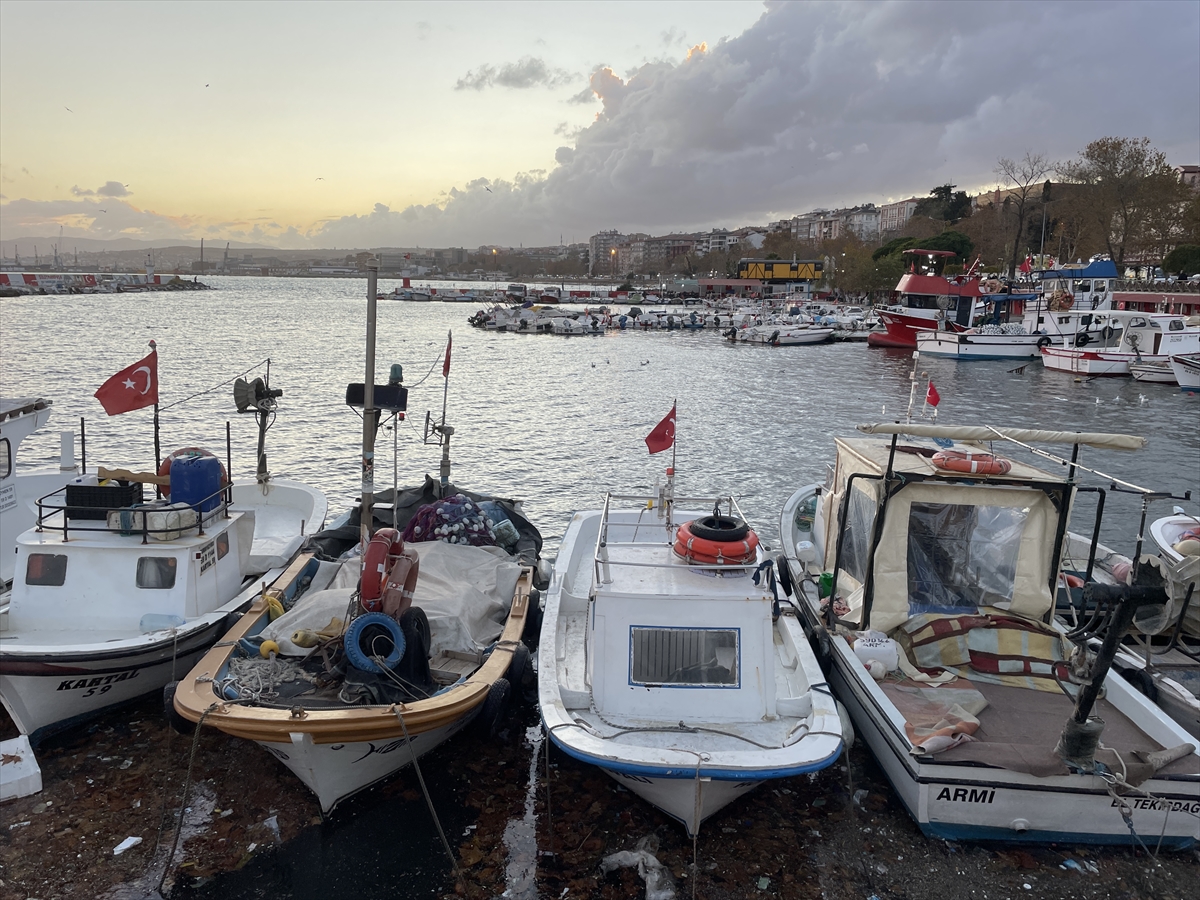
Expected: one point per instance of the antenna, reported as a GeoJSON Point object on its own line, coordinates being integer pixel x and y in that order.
{"type": "Point", "coordinates": [441, 432]}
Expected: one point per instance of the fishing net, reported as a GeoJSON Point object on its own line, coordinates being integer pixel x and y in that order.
{"type": "Point", "coordinates": [455, 520]}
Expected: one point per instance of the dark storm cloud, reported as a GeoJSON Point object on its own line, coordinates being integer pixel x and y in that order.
{"type": "Point", "coordinates": [823, 104]}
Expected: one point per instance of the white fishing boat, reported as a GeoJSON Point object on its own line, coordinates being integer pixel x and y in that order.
{"type": "Point", "coordinates": [1153, 372]}
{"type": "Point", "coordinates": [782, 335]}
{"type": "Point", "coordinates": [981, 343]}
{"type": "Point", "coordinates": [935, 637]}
{"type": "Point", "coordinates": [1186, 367]}
{"type": "Point", "coordinates": [666, 664]}
{"type": "Point", "coordinates": [1141, 338]}
{"type": "Point", "coordinates": [114, 598]}
{"type": "Point", "coordinates": [20, 489]}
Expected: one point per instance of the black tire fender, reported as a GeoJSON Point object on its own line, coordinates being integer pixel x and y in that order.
{"type": "Point", "coordinates": [723, 529]}
{"type": "Point", "coordinates": [1043, 341]}
{"type": "Point", "coordinates": [494, 706]}
{"type": "Point", "coordinates": [784, 575]}
{"type": "Point", "coordinates": [171, 714]}
{"type": "Point", "coordinates": [1082, 339]}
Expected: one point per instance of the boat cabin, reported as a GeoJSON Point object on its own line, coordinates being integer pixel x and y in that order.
{"type": "Point", "coordinates": [110, 567]}
{"type": "Point", "coordinates": [923, 287]}
{"type": "Point", "coordinates": [1080, 288]}
{"type": "Point", "coordinates": [669, 639]}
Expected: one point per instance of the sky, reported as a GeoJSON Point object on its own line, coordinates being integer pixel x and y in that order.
{"type": "Point", "coordinates": [462, 123]}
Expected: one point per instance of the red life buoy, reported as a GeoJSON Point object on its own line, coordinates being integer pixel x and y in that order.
{"type": "Point", "coordinates": [971, 463]}
{"type": "Point", "coordinates": [385, 543]}
{"type": "Point", "coordinates": [714, 553]}
{"type": "Point", "coordinates": [164, 469]}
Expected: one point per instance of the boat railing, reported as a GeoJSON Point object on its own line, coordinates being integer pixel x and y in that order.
{"type": "Point", "coordinates": [72, 515]}
{"type": "Point", "coordinates": [665, 501]}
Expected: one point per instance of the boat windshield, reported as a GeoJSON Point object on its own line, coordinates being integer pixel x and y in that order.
{"type": "Point", "coordinates": [962, 557]}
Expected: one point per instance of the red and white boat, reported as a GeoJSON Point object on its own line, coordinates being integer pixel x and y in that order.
{"type": "Point", "coordinates": [928, 301]}
{"type": "Point", "coordinates": [1143, 338]}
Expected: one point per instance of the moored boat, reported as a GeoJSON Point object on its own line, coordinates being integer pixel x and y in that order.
{"type": "Point", "coordinates": [1138, 338]}
{"type": "Point", "coordinates": [114, 599]}
{"type": "Point", "coordinates": [927, 300]}
{"type": "Point", "coordinates": [664, 661]}
{"type": "Point", "coordinates": [1186, 368]}
{"type": "Point", "coordinates": [926, 574]}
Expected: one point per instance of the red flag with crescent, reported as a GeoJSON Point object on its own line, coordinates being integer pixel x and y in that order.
{"type": "Point", "coordinates": [663, 435]}
{"type": "Point", "coordinates": [135, 387]}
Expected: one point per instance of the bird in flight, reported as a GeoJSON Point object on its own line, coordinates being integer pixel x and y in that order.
{"type": "Point", "coordinates": [68, 109]}
{"type": "Point", "coordinates": [104, 210]}
{"type": "Point", "coordinates": [488, 189]}
{"type": "Point", "coordinates": [318, 178]}
{"type": "Point", "coordinates": [206, 85]}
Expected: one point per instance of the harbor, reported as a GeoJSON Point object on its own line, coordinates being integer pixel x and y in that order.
{"type": "Point", "coordinates": [553, 423]}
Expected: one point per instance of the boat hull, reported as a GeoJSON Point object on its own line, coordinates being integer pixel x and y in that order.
{"type": "Point", "coordinates": [1083, 362]}
{"type": "Point", "coordinates": [902, 330]}
{"type": "Point", "coordinates": [1187, 371]}
{"type": "Point", "coordinates": [978, 346]}
{"type": "Point", "coordinates": [677, 797]}
{"type": "Point", "coordinates": [953, 802]}
{"type": "Point", "coordinates": [46, 691]}
{"type": "Point", "coordinates": [335, 772]}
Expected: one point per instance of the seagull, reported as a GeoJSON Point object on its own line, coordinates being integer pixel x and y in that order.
{"type": "Point", "coordinates": [488, 189]}
{"type": "Point", "coordinates": [318, 179]}
{"type": "Point", "coordinates": [645, 362]}
{"type": "Point", "coordinates": [104, 210]}
{"type": "Point", "coordinates": [68, 109]}
{"type": "Point", "coordinates": [206, 85]}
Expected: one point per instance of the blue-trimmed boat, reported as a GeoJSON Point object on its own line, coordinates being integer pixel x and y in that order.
{"type": "Point", "coordinates": [666, 662]}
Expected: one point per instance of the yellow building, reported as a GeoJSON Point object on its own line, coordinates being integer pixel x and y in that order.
{"type": "Point", "coordinates": [778, 270]}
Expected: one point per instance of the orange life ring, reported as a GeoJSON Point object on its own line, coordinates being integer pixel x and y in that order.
{"type": "Point", "coordinates": [400, 583]}
{"type": "Point", "coordinates": [164, 469]}
{"type": "Point", "coordinates": [385, 543]}
{"type": "Point", "coordinates": [971, 463]}
{"type": "Point", "coordinates": [714, 553]}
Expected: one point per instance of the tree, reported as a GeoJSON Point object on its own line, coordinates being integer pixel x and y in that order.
{"type": "Point", "coordinates": [1183, 260]}
{"type": "Point", "coordinates": [954, 241]}
{"type": "Point", "coordinates": [1021, 177]}
{"type": "Point", "coordinates": [945, 204]}
{"type": "Point", "coordinates": [1133, 197]}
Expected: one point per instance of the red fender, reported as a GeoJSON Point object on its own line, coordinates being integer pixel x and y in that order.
{"type": "Point", "coordinates": [384, 543]}
{"type": "Point", "coordinates": [400, 583]}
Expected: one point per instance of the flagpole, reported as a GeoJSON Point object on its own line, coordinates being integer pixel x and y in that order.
{"type": "Point", "coordinates": [157, 445]}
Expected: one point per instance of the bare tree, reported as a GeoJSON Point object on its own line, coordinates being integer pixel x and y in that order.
{"type": "Point", "coordinates": [1023, 179]}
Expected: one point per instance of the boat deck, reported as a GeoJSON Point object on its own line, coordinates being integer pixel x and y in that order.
{"type": "Point", "coordinates": [1020, 727]}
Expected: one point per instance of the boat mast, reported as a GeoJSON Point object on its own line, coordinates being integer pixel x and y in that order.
{"type": "Point", "coordinates": [368, 441]}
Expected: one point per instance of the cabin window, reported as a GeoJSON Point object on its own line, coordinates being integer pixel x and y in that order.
{"type": "Point", "coordinates": [1137, 323]}
{"type": "Point", "coordinates": [962, 557]}
{"type": "Point", "coordinates": [684, 656]}
{"type": "Point", "coordinates": [1176, 325]}
{"type": "Point", "coordinates": [47, 569]}
{"type": "Point", "coordinates": [1041, 320]}
{"type": "Point", "coordinates": [1063, 320]}
{"type": "Point", "coordinates": [222, 544]}
{"type": "Point", "coordinates": [5, 458]}
{"type": "Point", "coordinates": [1083, 286]}
{"type": "Point", "coordinates": [856, 534]}
{"type": "Point", "coordinates": [156, 572]}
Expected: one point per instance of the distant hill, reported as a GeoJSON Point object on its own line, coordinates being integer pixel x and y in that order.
{"type": "Point", "coordinates": [92, 245]}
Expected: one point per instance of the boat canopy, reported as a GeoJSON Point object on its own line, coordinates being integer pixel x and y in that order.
{"type": "Point", "coordinates": [942, 547]}
{"type": "Point", "coordinates": [1027, 435]}
{"type": "Point", "coordinates": [1101, 268]}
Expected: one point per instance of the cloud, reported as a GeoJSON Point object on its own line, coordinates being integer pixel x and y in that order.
{"type": "Point", "coordinates": [780, 119]}
{"type": "Point", "coordinates": [110, 218]}
{"type": "Point", "coordinates": [108, 189]}
{"type": "Point", "coordinates": [527, 72]}
{"type": "Point", "coordinates": [673, 36]}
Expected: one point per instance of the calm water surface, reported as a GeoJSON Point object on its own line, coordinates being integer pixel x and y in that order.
{"type": "Point", "coordinates": [552, 420]}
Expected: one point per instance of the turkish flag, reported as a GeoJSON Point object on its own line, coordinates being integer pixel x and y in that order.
{"type": "Point", "coordinates": [663, 435]}
{"type": "Point", "coordinates": [932, 397]}
{"type": "Point", "coordinates": [135, 387]}
{"type": "Point", "coordinates": [446, 364]}
{"type": "Point", "coordinates": [1026, 266]}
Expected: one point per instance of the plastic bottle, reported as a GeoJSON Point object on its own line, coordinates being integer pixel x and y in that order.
{"type": "Point", "coordinates": [160, 622]}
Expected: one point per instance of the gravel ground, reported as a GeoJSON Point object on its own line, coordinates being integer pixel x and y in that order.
{"type": "Point", "coordinates": [252, 830]}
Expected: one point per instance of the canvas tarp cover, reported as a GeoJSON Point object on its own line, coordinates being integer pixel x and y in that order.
{"type": "Point", "coordinates": [1030, 572]}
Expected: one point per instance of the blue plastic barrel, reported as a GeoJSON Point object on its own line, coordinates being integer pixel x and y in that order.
{"type": "Point", "coordinates": [194, 478]}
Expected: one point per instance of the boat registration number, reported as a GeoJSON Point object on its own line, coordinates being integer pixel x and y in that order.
{"type": "Point", "coordinates": [966, 795]}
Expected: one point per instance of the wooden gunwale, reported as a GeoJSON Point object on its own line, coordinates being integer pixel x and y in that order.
{"type": "Point", "coordinates": [353, 723]}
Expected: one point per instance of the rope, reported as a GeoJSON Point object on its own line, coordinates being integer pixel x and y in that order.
{"type": "Point", "coordinates": [265, 362]}
{"type": "Point", "coordinates": [428, 800]}
{"type": "Point", "coordinates": [187, 789]}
